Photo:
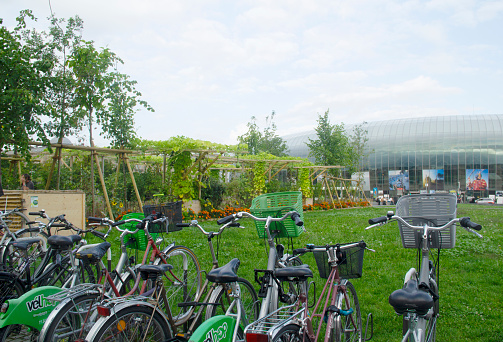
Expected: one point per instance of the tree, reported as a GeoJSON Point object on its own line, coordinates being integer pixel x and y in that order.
{"type": "Point", "coordinates": [65, 121]}
{"type": "Point", "coordinates": [268, 141]}
{"type": "Point", "coordinates": [22, 89]}
{"type": "Point", "coordinates": [90, 67]}
{"type": "Point", "coordinates": [357, 141]}
{"type": "Point", "coordinates": [332, 146]}
{"type": "Point", "coordinates": [122, 101]}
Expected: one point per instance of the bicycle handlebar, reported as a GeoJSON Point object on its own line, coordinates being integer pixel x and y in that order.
{"type": "Point", "coordinates": [465, 222]}
{"type": "Point", "coordinates": [313, 248]}
{"type": "Point", "coordinates": [293, 214]}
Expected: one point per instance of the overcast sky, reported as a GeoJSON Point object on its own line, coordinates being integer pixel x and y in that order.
{"type": "Point", "coordinates": [208, 66]}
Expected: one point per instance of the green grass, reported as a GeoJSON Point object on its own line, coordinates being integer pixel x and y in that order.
{"type": "Point", "coordinates": [471, 278]}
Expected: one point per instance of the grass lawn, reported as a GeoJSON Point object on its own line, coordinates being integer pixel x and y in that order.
{"type": "Point", "coordinates": [470, 282]}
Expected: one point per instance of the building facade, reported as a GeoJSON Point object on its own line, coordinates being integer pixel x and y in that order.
{"type": "Point", "coordinates": [443, 154]}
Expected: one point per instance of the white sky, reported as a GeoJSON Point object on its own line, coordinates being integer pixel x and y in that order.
{"type": "Point", "coordinates": [208, 66]}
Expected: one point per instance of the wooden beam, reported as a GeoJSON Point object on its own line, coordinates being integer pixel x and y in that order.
{"type": "Point", "coordinates": [201, 156]}
{"type": "Point", "coordinates": [83, 148]}
{"type": "Point", "coordinates": [281, 168]}
{"type": "Point", "coordinates": [103, 186]}
{"type": "Point", "coordinates": [206, 167]}
{"type": "Point", "coordinates": [126, 159]}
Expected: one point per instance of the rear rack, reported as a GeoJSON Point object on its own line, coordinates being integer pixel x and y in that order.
{"type": "Point", "coordinates": [74, 291]}
{"type": "Point", "coordinates": [275, 320]}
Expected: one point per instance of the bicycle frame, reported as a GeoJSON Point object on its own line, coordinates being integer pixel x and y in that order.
{"type": "Point", "coordinates": [417, 324]}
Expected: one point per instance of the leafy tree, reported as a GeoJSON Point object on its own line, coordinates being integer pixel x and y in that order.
{"type": "Point", "coordinates": [332, 147]}
{"type": "Point", "coordinates": [65, 121]}
{"type": "Point", "coordinates": [267, 141]}
{"type": "Point", "coordinates": [357, 141]}
{"type": "Point", "coordinates": [122, 100]}
{"type": "Point", "coordinates": [22, 88]}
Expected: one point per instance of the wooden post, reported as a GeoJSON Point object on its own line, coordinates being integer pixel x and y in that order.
{"type": "Point", "coordinates": [102, 179]}
{"type": "Point", "coordinates": [126, 159]}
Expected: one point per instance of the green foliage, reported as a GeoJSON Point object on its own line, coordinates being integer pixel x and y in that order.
{"type": "Point", "coordinates": [213, 192]}
{"type": "Point", "coordinates": [305, 183]}
{"type": "Point", "coordinates": [22, 88]}
{"type": "Point", "coordinates": [266, 142]}
{"type": "Point", "coordinates": [182, 184]}
{"type": "Point", "coordinates": [258, 178]}
{"type": "Point", "coordinates": [332, 145]}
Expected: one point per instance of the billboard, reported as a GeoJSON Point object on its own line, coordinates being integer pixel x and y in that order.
{"type": "Point", "coordinates": [398, 179]}
{"type": "Point", "coordinates": [433, 179]}
{"type": "Point", "coordinates": [477, 179]}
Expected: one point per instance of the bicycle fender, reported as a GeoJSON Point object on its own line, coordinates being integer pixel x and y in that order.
{"type": "Point", "coordinates": [31, 309]}
{"type": "Point", "coordinates": [216, 329]}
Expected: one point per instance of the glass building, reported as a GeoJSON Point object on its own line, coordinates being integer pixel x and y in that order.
{"type": "Point", "coordinates": [445, 153]}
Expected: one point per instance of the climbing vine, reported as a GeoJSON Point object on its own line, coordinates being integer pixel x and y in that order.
{"type": "Point", "coordinates": [305, 183]}
{"type": "Point", "coordinates": [259, 177]}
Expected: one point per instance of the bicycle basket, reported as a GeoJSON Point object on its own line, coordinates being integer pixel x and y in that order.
{"type": "Point", "coordinates": [172, 210]}
{"type": "Point", "coordinates": [350, 266]}
{"type": "Point", "coordinates": [139, 239]}
{"type": "Point", "coordinates": [431, 209]}
{"type": "Point", "coordinates": [276, 205]}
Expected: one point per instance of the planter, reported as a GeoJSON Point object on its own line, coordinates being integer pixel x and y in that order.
{"type": "Point", "coordinates": [195, 205]}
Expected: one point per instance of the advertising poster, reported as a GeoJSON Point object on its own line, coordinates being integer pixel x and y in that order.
{"type": "Point", "coordinates": [398, 180]}
{"type": "Point", "coordinates": [433, 179]}
{"type": "Point", "coordinates": [477, 179]}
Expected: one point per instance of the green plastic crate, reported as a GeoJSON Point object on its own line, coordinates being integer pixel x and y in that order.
{"type": "Point", "coordinates": [139, 239]}
{"type": "Point", "coordinates": [276, 205]}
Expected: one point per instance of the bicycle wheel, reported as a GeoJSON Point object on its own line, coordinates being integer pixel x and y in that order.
{"type": "Point", "coordinates": [289, 333]}
{"type": "Point", "coordinates": [346, 327]}
{"type": "Point", "coordinates": [249, 299]}
{"type": "Point", "coordinates": [12, 257]}
{"type": "Point", "coordinates": [187, 284]}
{"type": "Point", "coordinates": [132, 323]}
{"type": "Point", "coordinates": [10, 287]}
{"type": "Point", "coordinates": [69, 321]}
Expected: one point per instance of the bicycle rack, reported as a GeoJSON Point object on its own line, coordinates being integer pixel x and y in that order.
{"type": "Point", "coordinates": [74, 291]}
{"type": "Point", "coordinates": [370, 318]}
{"type": "Point", "coordinates": [274, 321]}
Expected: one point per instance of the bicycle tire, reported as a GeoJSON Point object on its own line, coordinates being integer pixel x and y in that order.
{"type": "Point", "coordinates": [343, 328]}
{"type": "Point", "coordinates": [288, 333]}
{"type": "Point", "coordinates": [10, 287]}
{"type": "Point", "coordinates": [66, 321]}
{"type": "Point", "coordinates": [124, 325]}
{"type": "Point", "coordinates": [249, 299]}
{"type": "Point", "coordinates": [12, 257]}
{"type": "Point", "coordinates": [187, 269]}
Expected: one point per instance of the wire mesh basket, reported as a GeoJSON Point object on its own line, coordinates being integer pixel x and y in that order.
{"type": "Point", "coordinates": [431, 209]}
{"type": "Point", "coordinates": [276, 205]}
{"type": "Point", "coordinates": [350, 263]}
{"type": "Point", "coordinates": [172, 210]}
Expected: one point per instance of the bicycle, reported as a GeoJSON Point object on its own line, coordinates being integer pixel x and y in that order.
{"type": "Point", "coordinates": [37, 237]}
{"type": "Point", "coordinates": [32, 308]}
{"type": "Point", "coordinates": [75, 314]}
{"type": "Point", "coordinates": [230, 326]}
{"type": "Point", "coordinates": [219, 296]}
{"type": "Point", "coordinates": [426, 222]}
{"type": "Point", "coordinates": [337, 306]}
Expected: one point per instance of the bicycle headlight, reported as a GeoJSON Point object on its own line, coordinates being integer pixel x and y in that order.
{"type": "Point", "coordinates": [5, 307]}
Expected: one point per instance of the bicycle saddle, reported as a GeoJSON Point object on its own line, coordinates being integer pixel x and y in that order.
{"type": "Point", "coordinates": [93, 254]}
{"type": "Point", "coordinates": [411, 299]}
{"type": "Point", "coordinates": [301, 272]}
{"type": "Point", "coordinates": [60, 241]}
{"type": "Point", "coordinates": [152, 271]}
{"type": "Point", "coordinates": [226, 273]}
{"type": "Point", "coordinates": [24, 244]}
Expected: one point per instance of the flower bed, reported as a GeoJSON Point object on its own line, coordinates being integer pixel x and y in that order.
{"type": "Point", "coordinates": [335, 205]}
